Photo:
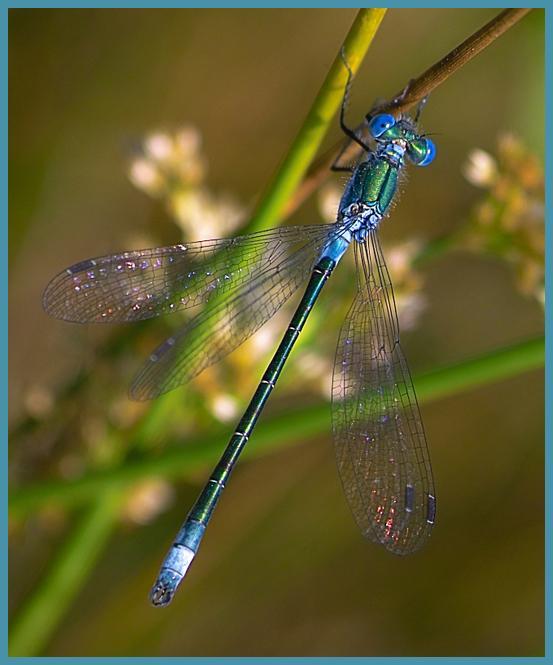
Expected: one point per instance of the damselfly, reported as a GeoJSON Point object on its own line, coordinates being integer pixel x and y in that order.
{"type": "Point", "coordinates": [379, 438]}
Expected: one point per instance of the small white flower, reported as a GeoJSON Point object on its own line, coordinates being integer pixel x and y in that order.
{"type": "Point", "coordinates": [325, 383]}
{"type": "Point", "coordinates": [541, 296]}
{"type": "Point", "coordinates": [480, 169]}
{"type": "Point", "coordinates": [400, 258]}
{"type": "Point", "coordinates": [123, 411]}
{"type": "Point", "coordinates": [312, 365]}
{"type": "Point", "coordinates": [148, 500]}
{"type": "Point", "coordinates": [145, 176]}
{"type": "Point", "coordinates": [224, 407]}
{"type": "Point", "coordinates": [159, 146]}
{"type": "Point", "coordinates": [409, 308]}
{"type": "Point", "coordinates": [188, 140]}
{"type": "Point", "coordinates": [39, 401]}
{"type": "Point", "coordinates": [329, 200]}
{"type": "Point", "coordinates": [264, 339]}
{"type": "Point", "coordinates": [200, 215]}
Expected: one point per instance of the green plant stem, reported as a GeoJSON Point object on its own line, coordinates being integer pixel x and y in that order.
{"type": "Point", "coordinates": [32, 628]}
{"type": "Point", "coordinates": [279, 432]}
{"type": "Point", "coordinates": [37, 620]}
{"type": "Point", "coordinates": [294, 166]}
{"type": "Point", "coordinates": [417, 89]}
{"type": "Point", "coordinates": [364, 28]}
{"type": "Point", "coordinates": [272, 208]}
{"type": "Point", "coordinates": [495, 366]}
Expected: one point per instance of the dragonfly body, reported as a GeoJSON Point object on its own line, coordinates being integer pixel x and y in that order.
{"type": "Point", "coordinates": [373, 183]}
{"type": "Point", "coordinates": [380, 442]}
{"type": "Point", "coordinates": [188, 539]}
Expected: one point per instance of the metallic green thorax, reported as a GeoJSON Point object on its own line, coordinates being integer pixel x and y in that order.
{"type": "Point", "coordinates": [373, 182]}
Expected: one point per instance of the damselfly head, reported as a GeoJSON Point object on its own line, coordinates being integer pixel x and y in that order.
{"type": "Point", "coordinates": [386, 129]}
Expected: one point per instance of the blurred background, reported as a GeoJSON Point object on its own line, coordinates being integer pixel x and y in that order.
{"type": "Point", "coordinates": [137, 128]}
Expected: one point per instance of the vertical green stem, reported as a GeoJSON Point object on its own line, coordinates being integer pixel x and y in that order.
{"type": "Point", "coordinates": [39, 617]}
{"type": "Point", "coordinates": [325, 105]}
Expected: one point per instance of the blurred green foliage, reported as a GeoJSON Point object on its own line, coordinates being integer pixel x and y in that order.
{"type": "Point", "coordinates": [124, 100]}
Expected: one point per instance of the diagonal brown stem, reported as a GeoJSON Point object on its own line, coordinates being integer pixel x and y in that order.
{"type": "Point", "coordinates": [405, 99]}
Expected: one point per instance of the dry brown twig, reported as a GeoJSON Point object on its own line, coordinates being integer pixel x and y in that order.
{"type": "Point", "coordinates": [416, 90]}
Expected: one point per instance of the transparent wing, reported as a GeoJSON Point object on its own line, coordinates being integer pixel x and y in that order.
{"type": "Point", "coordinates": [379, 438]}
{"type": "Point", "coordinates": [132, 286]}
{"type": "Point", "coordinates": [223, 326]}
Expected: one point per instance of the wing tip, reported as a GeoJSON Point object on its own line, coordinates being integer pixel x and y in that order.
{"type": "Point", "coordinates": [141, 391]}
{"type": "Point", "coordinates": [52, 305]}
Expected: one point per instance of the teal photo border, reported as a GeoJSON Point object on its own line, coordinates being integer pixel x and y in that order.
{"type": "Point", "coordinates": [5, 7]}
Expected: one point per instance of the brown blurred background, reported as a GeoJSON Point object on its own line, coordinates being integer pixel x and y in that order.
{"type": "Point", "coordinates": [283, 570]}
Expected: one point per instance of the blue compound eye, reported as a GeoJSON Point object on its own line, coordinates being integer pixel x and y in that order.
{"type": "Point", "coordinates": [421, 151]}
{"type": "Point", "coordinates": [430, 153]}
{"type": "Point", "coordinates": [380, 123]}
